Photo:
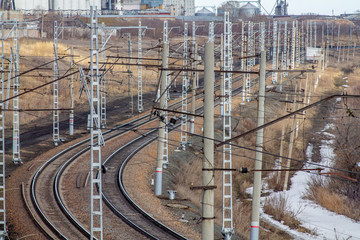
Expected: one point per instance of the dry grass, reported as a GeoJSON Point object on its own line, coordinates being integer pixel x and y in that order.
{"type": "Point", "coordinates": [40, 48]}
{"type": "Point", "coordinates": [331, 200]}
{"type": "Point", "coordinates": [278, 207]}
{"type": "Point", "coordinates": [333, 194]}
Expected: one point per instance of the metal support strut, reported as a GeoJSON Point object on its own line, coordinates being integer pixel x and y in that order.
{"type": "Point", "coordinates": [95, 130]}
{"type": "Point", "coordinates": [2, 139]}
{"type": "Point", "coordinates": [140, 96]}
{"type": "Point", "coordinates": [184, 91]}
{"type": "Point", "coordinates": [103, 79]}
{"type": "Point", "coordinates": [165, 114]}
{"type": "Point", "coordinates": [16, 120]}
{"type": "Point", "coordinates": [56, 136]}
{"type": "Point", "coordinates": [227, 225]}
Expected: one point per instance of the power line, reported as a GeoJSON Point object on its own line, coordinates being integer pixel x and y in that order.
{"type": "Point", "coordinates": [267, 162]}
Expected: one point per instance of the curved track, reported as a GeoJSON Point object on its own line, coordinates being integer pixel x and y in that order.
{"type": "Point", "coordinates": [60, 224]}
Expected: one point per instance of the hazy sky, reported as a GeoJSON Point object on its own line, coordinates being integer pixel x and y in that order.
{"type": "Point", "coordinates": [303, 6]}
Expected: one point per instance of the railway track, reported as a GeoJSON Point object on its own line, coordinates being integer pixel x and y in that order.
{"type": "Point", "coordinates": [60, 224]}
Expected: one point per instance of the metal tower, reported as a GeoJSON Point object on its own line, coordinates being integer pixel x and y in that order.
{"type": "Point", "coordinates": [211, 32]}
{"type": "Point", "coordinates": [274, 60]}
{"type": "Point", "coordinates": [130, 79]}
{"type": "Point", "coordinates": [140, 97]}
{"type": "Point", "coordinates": [103, 79]}
{"type": "Point", "coordinates": [16, 85]}
{"type": "Point", "coordinates": [56, 136]}
{"type": "Point", "coordinates": [165, 113]}
{"type": "Point", "coordinates": [2, 139]}
{"type": "Point", "coordinates": [293, 45]}
{"type": "Point", "coordinates": [311, 34]}
{"type": "Point", "coordinates": [297, 44]}
{"type": "Point", "coordinates": [166, 40]}
{"type": "Point", "coordinates": [96, 139]}
{"type": "Point", "coordinates": [262, 36]}
{"type": "Point", "coordinates": [194, 77]}
{"type": "Point", "coordinates": [281, 8]}
{"type": "Point", "coordinates": [243, 61]}
{"type": "Point", "coordinates": [71, 116]}
{"type": "Point", "coordinates": [303, 38]}
{"type": "Point", "coordinates": [284, 55]}
{"type": "Point", "coordinates": [227, 225]}
{"type": "Point", "coordinates": [315, 34]}
{"type": "Point", "coordinates": [184, 91]}
{"type": "Point", "coordinates": [250, 52]}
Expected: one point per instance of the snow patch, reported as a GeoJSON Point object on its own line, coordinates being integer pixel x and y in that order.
{"type": "Point", "coordinates": [326, 224]}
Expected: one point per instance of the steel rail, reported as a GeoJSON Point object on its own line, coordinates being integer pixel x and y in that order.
{"type": "Point", "coordinates": [41, 169]}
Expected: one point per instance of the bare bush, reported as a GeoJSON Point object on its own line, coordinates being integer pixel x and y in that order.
{"type": "Point", "coordinates": [278, 207]}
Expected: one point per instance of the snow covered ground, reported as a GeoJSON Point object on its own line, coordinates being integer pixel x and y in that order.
{"type": "Point", "coordinates": [327, 225]}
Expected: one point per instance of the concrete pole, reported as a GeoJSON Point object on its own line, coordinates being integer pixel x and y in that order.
{"type": "Point", "coordinates": [255, 213]}
{"type": "Point", "coordinates": [282, 142]}
{"type": "Point", "coordinates": [339, 53]}
{"type": "Point", "coordinates": [131, 82]}
{"type": "Point", "coordinates": [160, 147]}
{"type": "Point", "coordinates": [291, 144]}
{"type": "Point", "coordinates": [207, 227]}
{"type": "Point", "coordinates": [71, 117]}
{"type": "Point", "coordinates": [193, 92]}
{"type": "Point", "coordinates": [297, 120]}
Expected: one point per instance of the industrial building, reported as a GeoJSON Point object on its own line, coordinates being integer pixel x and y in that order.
{"type": "Point", "coordinates": [281, 8]}
{"type": "Point", "coordinates": [249, 10]}
{"type": "Point", "coordinates": [174, 7]}
{"type": "Point", "coordinates": [180, 7]}
{"type": "Point", "coordinates": [54, 4]}
{"type": "Point", "coordinates": [204, 12]}
{"type": "Point", "coordinates": [243, 9]}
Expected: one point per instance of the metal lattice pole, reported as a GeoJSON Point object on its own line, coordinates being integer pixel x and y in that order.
{"type": "Point", "coordinates": [103, 79]}
{"type": "Point", "coordinates": [16, 85]}
{"type": "Point", "coordinates": [71, 117]}
{"type": "Point", "coordinates": [284, 55]}
{"type": "Point", "coordinates": [243, 61]}
{"type": "Point", "coordinates": [268, 48]}
{"type": "Point", "coordinates": [227, 225]}
{"type": "Point", "coordinates": [303, 44]}
{"type": "Point", "coordinates": [166, 40]}
{"type": "Point", "coordinates": [249, 61]}
{"type": "Point", "coordinates": [253, 45]}
{"type": "Point", "coordinates": [194, 78]}
{"type": "Point", "coordinates": [297, 44]}
{"type": "Point", "coordinates": [274, 60]}
{"type": "Point", "coordinates": [2, 140]}
{"type": "Point", "coordinates": [56, 130]}
{"type": "Point", "coordinates": [307, 35]}
{"type": "Point", "coordinates": [140, 93]}
{"type": "Point", "coordinates": [95, 130]}
{"type": "Point", "coordinates": [184, 91]}
{"type": "Point", "coordinates": [130, 79]}
{"type": "Point", "coordinates": [315, 34]}
{"type": "Point", "coordinates": [311, 34]}
{"type": "Point", "coordinates": [293, 45]}
{"type": "Point", "coordinates": [167, 94]}
{"type": "Point", "coordinates": [262, 36]}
